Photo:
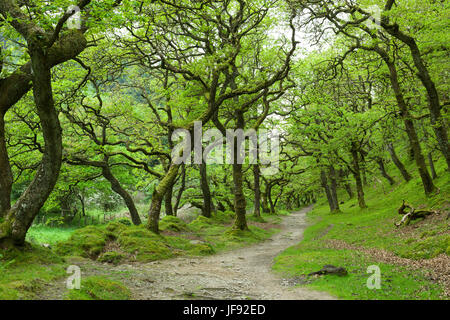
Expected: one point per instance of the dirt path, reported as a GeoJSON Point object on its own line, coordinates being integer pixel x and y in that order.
{"type": "Point", "coordinates": [239, 274]}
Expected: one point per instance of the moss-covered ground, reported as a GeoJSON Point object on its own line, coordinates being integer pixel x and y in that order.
{"type": "Point", "coordinates": [99, 288]}
{"type": "Point", "coordinates": [26, 272]}
{"type": "Point", "coordinates": [356, 239]}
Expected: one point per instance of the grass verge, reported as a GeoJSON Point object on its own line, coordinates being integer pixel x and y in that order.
{"type": "Point", "coordinates": [413, 259]}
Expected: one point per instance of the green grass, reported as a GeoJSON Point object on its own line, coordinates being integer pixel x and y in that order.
{"type": "Point", "coordinates": [49, 235]}
{"type": "Point", "coordinates": [219, 233]}
{"type": "Point", "coordinates": [397, 283]}
{"type": "Point", "coordinates": [25, 272]}
{"type": "Point", "coordinates": [136, 243]}
{"type": "Point", "coordinates": [99, 288]}
{"type": "Point", "coordinates": [373, 228]}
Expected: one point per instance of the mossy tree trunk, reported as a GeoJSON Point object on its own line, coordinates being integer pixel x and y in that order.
{"type": "Point", "coordinates": [158, 196]}
{"type": "Point", "coordinates": [265, 201]}
{"type": "Point", "coordinates": [333, 188]}
{"type": "Point", "coordinates": [357, 174]}
{"type": "Point", "coordinates": [400, 166]}
{"type": "Point", "coordinates": [117, 187]}
{"type": "Point", "coordinates": [384, 172]}
{"type": "Point", "coordinates": [168, 202]}
{"type": "Point", "coordinates": [20, 217]}
{"type": "Point", "coordinates": [343, 175]}
{"type": "Point", "coordinates": [432, 168]}
{"type": "Point", "coordinates": [326, 188]}
{"type": "Point", "coordinates": [438, 122]}
{"type": "Point", "coordinates": [427, 182]}
{"type": "Point", "coordinates": [348, 189]}
{"type": "Point", "coordinates": [271, 202]}
{"type": "Point", "coordinates": [6, 177]}
{"type": "Point", "coordinates": [240, 204]}
{"type": "Point", "coordinates": [257, 186]}
{"type": "Point", "coordinates": [83, 204]}
{"type": "Point", "coordinates": [45, 51]}
{"type": "Point", "coordinates": [182, 188]}
{"type": "Point", "coordinates": [206, 192]}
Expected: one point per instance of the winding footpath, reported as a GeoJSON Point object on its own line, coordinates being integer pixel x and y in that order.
{"type": "Point", "coordinates": [239, 274]}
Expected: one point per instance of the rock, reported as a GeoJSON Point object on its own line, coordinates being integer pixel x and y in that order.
{"type": "Point", "coordinates": [330, 269]}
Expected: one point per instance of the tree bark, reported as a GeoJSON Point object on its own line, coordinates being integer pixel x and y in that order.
{"type": "Point", "coordinates": [21, 215]}
{"type": "Point", "coordinates": [168, 201]}
{"type": "Point", "coordinates": [257, 186]}
{"type": "Point", "coordinates": [6, 177]}
{"type": "Point", "coordinates": [427, 182]}
{"type": "Point", "coordinates": [239, 198]}
{"type": "Point", "coordinates": [411, 154]}
{"type": "Point", "coordinates": [398, 163]}
{"type": "Point", "coordinates": [265, 202]}
{"type": "Point", "coordinates": [83, 204]}
{"type": "Point", "coordinates": [438, 122]}
{"type": "Point", "coordinates": [333, 188]}
{"type": "Point", "coordinates": [357, 175]}
{"type": "Point", "coordinates": [15, 86]}
{"type": "Point", "coordinates": [158, 196]}
{"type": "Point", "coordinates": [326, 188]}
{"type": "Point", "coordinates": [181, 191]}
{"type": "Point", "coordinates": [240, 204]}
{"type": "Point", "coordinates": [116, 187]}
{"type": "Point", "coordinates": [344, 175]}
{"type": "Point", "coordinates": [433, 170]}
{"type": "Point", "coordinates": [207, 203]}
{"type": "Point", "coordinates": [384, 173]}
{"type": "Point", "coordinates": [348, 189]}
{"type": "Point", "coordinates": [271, 203]}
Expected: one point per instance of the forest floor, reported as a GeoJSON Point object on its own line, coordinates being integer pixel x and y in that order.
{"type": "Point", "coordinates": [244, 273]}
{"type": "Point", "coordinates": [413, 260]}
